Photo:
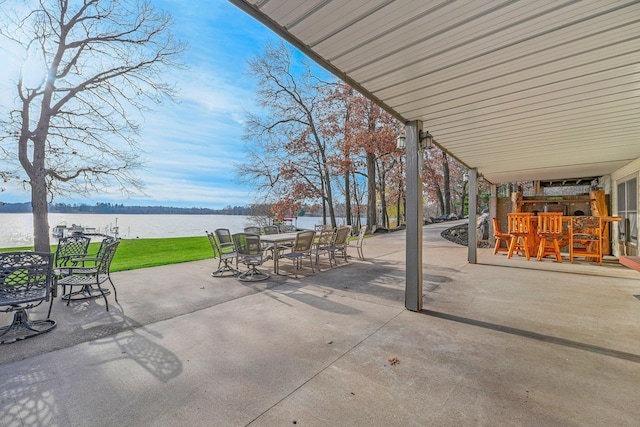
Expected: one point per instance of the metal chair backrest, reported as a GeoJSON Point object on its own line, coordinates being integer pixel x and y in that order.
{"type": "Point", "coordinates": [304, 241]}
{"type": "Point", "coordinates": [69, 248]}
{"type": "Point", "coordinates": [363, 231]}
{"type": "Point", "coordinates": [342, 233]}
{"type": "Point", "coordinates": [269, 229]}
{"type": "Point", "coordinates": [215, 247]}
{"type": "Point", "coordinates": [247, 244]}
{"type": "Point", "coordinates": [225, 241]}
{"type": "Point", "coordinates": [25, 278]}
{"type": "Point", "coordinates": [252, 230]}
{"type": "Point", "coordinates": [325, 238]}
{"type": "Point", "coordinates": [106, 241]}
{"type": "Point", "coordinates": [109, 252]}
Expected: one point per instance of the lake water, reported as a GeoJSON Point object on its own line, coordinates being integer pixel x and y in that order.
{"type": "Point", "coordinates": [16, 230]}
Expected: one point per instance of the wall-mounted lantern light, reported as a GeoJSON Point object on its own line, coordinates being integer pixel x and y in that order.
{"type": "Point", "coordinates": [426, 141]}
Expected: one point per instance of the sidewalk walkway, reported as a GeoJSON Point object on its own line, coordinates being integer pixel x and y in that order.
{"type": "Point", "coordinates": [494, 346]}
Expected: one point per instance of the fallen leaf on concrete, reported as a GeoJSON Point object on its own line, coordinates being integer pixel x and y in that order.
{"type": "Point", "coordinates": [394, 361]}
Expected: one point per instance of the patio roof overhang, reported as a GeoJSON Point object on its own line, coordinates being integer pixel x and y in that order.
{"type": "Point", "coordinates": [539, 90]}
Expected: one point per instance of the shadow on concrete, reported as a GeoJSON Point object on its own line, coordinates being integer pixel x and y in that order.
{"type": "Point", "coordinates": [536, 336]}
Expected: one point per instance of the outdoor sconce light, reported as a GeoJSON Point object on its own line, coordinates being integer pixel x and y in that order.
{"type": "Point", "coordinates": [426, 141]}
{"type": "Point", "coordinates": [465, 177]}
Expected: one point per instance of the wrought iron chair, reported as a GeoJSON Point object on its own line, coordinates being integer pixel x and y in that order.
{"type": "Point", "coordinates": [68, 250]}
{"type": "Point", "coordinates": [250, 253]}
{"type": "Point", "coordinates": [339, 244]}
{"type": "Point", "coordinates": [301, 249]}
{"type": "Point", "coordinates": [94, 258]}
{"type": "Point", "coordinates": [225, 256]}
{"type": "Point", "coordinates": [88, 277]}
{"type": "Point", "coordinates": [26, 281]}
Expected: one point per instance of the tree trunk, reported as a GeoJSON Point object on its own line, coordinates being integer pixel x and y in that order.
{"type": "Point", "coordinates": [40, 214]}
{"type": "Point", "coordinates": [463, 198]}
{"type": "Point", "coordinates": [447, 186]}
{"type": "Point", "coordinates": [347, 198]}
{"type": "Point", "coordinates": [324, 203]}
{"type": "Point", "coordinates": [371, 190]}
{"type": "Point", "coordinates": [383, 200]}
{"type": "Point", "coordinates": [356, 198]}
{"type": "Point", "coordinates": [327, 177]}
{"type": "Point", "coordinates": [440, 198]}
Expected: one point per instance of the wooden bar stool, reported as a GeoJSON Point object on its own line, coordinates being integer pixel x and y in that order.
{"type": "Point", "coordinates": [520, 231]}
{"type": "Point", "coordinates": [549, 231]}
{"type": "Point", "coordinates": [500, 237]}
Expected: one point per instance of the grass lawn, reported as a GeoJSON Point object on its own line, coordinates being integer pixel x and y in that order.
{"type": "Point", "coordinates": [141, 253]}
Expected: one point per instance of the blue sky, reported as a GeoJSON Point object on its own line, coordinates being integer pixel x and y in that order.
{"type": "Point", "coordinates": [191, 147]}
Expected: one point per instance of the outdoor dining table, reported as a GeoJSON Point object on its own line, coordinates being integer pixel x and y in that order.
{"type": "Point", "coordinates": [278, 241]}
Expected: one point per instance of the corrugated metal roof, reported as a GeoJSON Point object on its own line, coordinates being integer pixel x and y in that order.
{"type": "Point", "coordinates": [521, 90]}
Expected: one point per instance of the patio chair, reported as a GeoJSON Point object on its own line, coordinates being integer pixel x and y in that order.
{"type": "Point", "coordinates": [549, 231]}
{"type": "Point", "coordinates": [520, 231]}
{"type": "Point", "coordinates": [586, 238]}
{"type": "Point", "coordinates": [287, 228]}
{"type": "Point", "coordinates": [250, 253]}
{"type": "Point", "coordinates": [339, 244]}
{"type": "Point", "coordinates": [321, 244]}
{"type": "Point", "coordinates": [360, 241]}
{"type": "Point", "coordinates": [94, 258]}
{"type": "Point", "coordinates": [269, 230]}
{"type": "Point", "coordinates": [252, 230]}
{"type": "Point", "coordinates": [26, 281]}
{"type": "Point", "coordinates": [225, 257]}
{"type": "Point", "coordinates": [500, 237]}
{"type": "Point", "coordinates": [69, 249]}
{"type": "Point", "coordinates": [88, 277]}
{"type": "Point", "coordinates": [301, 249]}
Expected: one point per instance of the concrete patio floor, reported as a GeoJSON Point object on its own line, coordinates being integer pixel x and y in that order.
{"type": "Point", "coordinates": [503, 342]}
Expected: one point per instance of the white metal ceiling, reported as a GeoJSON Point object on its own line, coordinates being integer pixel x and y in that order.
{"type": "Point", "coordinates": [521, 90]}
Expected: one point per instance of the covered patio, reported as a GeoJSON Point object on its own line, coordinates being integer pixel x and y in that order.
{"type": "Point", "coordinates": [516, 91]}
{"type": "Point", "coordinates": [496, 346]}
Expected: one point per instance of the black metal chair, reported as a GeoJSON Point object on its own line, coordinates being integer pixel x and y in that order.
{"type": "Point", "coordinates": [88, 277]}
{"type": "Point", "coordinates": [69, 248]}
{"type": "Point", "coordinates": [25, 282]}
{"type": "Point", "coordinates": [225, 257]}
{"type": "Point", "coordinates": [250, 253]}
{"type": "Point", "coordinates": [94, 258]}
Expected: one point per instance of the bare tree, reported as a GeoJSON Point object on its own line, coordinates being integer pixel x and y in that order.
{"type": "Point", "coordinates": [97, 65]}
{"type": "Point", "coordinates": [288, 149]}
